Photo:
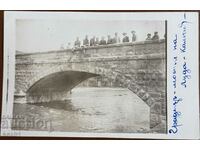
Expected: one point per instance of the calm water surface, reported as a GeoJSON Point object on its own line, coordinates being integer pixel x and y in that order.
{"type": "Point", "coordinates": [91, 110]}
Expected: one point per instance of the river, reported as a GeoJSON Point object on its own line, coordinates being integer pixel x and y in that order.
{"type": "Point", "coordinates": [89, 109]}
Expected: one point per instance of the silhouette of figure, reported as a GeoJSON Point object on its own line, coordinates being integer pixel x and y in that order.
{"type": "Point", "coordinates": [116, 39]}
{"type": "Point", "coordinates": [77, 43]}
{"type": "Point", "coordinates": [86, 41]}
{"type": "Point", "coordinates": [92, 41]}
{"type": "Point", "coordinates": [96, 42]}
{"type": "Point", "coordinates": [134, 38]}
{"type": "Point", "coordinates": [102, 41]}
{"type": "Point", "coordinates": [109, 41]}
{"type": "Point", "coordinates": [156, 36]}
{"type": "Point", "coordinates": [148, 37]}
{"type": "Point", "coordinates": [125, 38]}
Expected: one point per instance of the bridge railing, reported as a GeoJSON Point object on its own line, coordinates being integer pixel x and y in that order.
{"type": "Point", "coordinates": [142, 48]}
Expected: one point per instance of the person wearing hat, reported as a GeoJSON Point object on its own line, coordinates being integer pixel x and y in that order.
{"type": "Point", "coordinates": [86, 41]}
{"type": "Point", "coordinates": [125, 38]}
{"type": "Point", "coordinates": [133, 36]}
{"type": "Point", "coordinates": [148, 37]}
{"type": "Point", "coordinates": [116, 39]}
{"type": "Point", "coordinates": [156, 36]}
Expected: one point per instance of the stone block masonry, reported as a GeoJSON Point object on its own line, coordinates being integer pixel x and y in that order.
{"type": "Point", "coordinates": [139, 66]}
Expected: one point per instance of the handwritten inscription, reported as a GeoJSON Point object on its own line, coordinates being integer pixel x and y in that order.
{"type": "Point", "coordinates": [183, 45]}
{"type": "Point", "coordinates": [186, 74]}
{"type": "Point", "coordinates": [174, 72]}
{"type": "Point", "coordinates": [179, 51]}
{"type": "Point", "coordinates": [176, 114]}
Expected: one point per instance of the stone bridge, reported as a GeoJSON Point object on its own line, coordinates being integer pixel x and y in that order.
{"type": "Point", "coordinates": [139, 66]}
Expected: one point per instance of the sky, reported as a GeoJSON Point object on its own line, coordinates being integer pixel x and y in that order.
{"type": "Point", "coordinates": [39, 35]}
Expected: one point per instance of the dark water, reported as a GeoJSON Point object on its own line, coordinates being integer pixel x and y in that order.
{"type": "Point", "coordinates": [88, 110]}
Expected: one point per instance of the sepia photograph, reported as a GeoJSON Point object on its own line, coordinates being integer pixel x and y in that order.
{"type": "Point", "coordinates": [95, 76]}
{"type": "Point", "coordinates": [100, 74]}
{"type": "Point", "coordinates": [105, 75]}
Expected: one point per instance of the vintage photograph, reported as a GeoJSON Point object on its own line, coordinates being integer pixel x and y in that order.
{"type": "Point", "coordinates": [104, 75]}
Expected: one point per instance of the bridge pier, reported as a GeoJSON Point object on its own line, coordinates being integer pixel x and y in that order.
{"type": "Point", "coordinates": [158, 117]}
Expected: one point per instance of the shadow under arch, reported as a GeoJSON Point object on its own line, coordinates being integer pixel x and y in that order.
{"type": "Point", "coordinates": [55, 86]}
{"type": "Point", "coordinates": [56, 82]}
{"type": "Point", "coordinates": [58, 77]}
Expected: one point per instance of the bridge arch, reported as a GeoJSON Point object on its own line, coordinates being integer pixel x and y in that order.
{"type": "Point", "coordinates": [115, 76]}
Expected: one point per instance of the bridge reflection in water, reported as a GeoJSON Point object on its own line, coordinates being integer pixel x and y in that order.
{"type": "Point", "coordinates": [91, 109]}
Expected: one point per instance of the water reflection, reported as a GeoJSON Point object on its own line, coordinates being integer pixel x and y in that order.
{"type": "Point", "coordinates": [60, 105]}
{"type": "Point", "coordinates": [92, 110]}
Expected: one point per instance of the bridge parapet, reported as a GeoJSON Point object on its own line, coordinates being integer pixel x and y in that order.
{"type": "Point", "coordinates": [134, 50]}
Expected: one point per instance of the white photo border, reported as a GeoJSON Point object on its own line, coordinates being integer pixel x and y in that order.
{"type": "Point", "coordinates": [190, 95]}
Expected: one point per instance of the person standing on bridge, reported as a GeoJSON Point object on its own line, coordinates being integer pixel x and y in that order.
{"type": "Point", "coordinates": [96, 42]}
{"type": "Point", "coordinates": [109, 41]}
{"type": "Point", "coordinates": [92, 41]}
{"type": "Point", "coordinates": [77, 43]}
{"type": "Point", "coordinates": [156, 36]}
{"type": "Point", "coordinates": [116, 39]}
{"type": "Point", "coordinates": [125, 38]}
{"type": "Point", "coordinates": [86, 41]}
{"type": "Point", "coordinates": [148, 37]}
{"type": "Point", "coordinates": [134, 37]}
{"type": "Point", "coordinates": [102, 41]}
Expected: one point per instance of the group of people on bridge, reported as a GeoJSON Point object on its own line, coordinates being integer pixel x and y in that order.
{"type": "Point", "coordinates": [94, 41]}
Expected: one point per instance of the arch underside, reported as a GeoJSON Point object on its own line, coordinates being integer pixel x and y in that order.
{"type": "Point", "coordinates": [56, 86]}
{"type": "Point", "coordinates": [63, 81]}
